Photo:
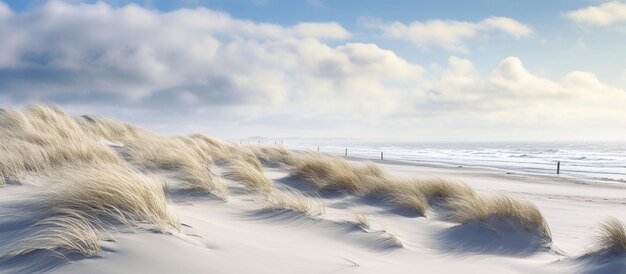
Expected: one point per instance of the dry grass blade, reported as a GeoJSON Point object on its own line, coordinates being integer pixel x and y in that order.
{"type": "Point", "coordinates": [612, 237]}
{"type": "Point", "coordinates": [393, 237]}
{"type": "Point", "coordinates": [275, 154]}
{"type": "Point", "coordinates": [414, 201]}
{"type": "Point", "coordinates": [360, 220]}
{"type": "Point", "coordinates": [243, 172]}
{"type": "Point", "coordinates": [293, 200]}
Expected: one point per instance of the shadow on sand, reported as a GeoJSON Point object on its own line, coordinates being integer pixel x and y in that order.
{"type": "Point", "coordinates": [601, 263]}
{"type": "Point", "coordinates": [41, 261]}
{"type": "Point", "coordinates": [380, 241]}
{"type": "Point", "coordinates": [501, 237]}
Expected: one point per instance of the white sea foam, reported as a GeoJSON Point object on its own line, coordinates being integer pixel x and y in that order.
{"type": "Point", "coordinates": [603, 161]}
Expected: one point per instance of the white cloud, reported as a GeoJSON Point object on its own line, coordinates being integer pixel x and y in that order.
{"type": "Point", "coordinates": [603, 15]}
{"type": "Point", "coordinates": [451, 35]}
{"type": "Point", "coordinates": [320, 30]}
{"type": "Point", "coordinates": [229, 71]}
{"type": "Point", "coordinates": [190, 57]}
{"type": "Point", "coordinates": [506, 25]}
{"type": "Point", "coordinates": [518, 97]}
{"type": "Point", "coordinates": [4, 10]}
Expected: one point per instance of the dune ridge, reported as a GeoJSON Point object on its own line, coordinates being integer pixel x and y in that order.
{"type": "Point", "coordinates": [103, 175]}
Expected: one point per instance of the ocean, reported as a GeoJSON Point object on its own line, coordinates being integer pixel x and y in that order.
{"type": "Point", "coordinates": [600, 161]}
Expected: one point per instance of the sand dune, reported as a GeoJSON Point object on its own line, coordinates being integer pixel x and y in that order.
{"type": "Point", "coordinates": [93, 195]}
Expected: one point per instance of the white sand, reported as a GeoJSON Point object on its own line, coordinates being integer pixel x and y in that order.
{"type": "Point", "coordinates": [236, 237]}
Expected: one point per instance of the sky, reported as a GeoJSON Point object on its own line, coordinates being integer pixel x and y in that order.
{"type": "Point", "coordinates": [483, 70]}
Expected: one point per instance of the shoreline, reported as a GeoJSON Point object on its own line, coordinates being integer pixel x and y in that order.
{"type": "Point", "coordinates": [484, 168]}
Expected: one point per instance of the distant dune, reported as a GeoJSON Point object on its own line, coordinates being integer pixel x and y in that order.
{"type": "Point", "coordinates": [93, 195]}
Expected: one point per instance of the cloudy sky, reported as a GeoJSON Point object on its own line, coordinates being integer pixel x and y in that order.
{"type": "Point", "coordinates": [377, 70]}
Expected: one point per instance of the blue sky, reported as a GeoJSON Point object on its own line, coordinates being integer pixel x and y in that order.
{"type": "Point", "coordinates": [559, 43]}
{"type": "Point", "coordinates": [436, 70]}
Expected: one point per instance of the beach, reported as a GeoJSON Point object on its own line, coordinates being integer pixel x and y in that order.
{"type": "Point", "coordinates": [89, 194]}
{"type": "Point", "coordinates": [238, 237]}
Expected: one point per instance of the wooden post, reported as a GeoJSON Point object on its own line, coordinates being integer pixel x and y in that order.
{"type": "Point", "coordinates": [381, 155]}
{"type": "Point", "coordinates": [318, 149]}
{"type": "Point", "coordinates": [558, 167]}
{"type": "Point", "coordinates": [346, 152]}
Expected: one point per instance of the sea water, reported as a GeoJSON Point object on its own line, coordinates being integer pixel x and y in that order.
{"type": "Point", "coordinates": [601, 161]}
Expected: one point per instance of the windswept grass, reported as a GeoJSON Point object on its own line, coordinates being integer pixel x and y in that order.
{"type": "Point", "coordinates": [458, 199]}
{"type": "Point", "coordinates": [103, 190]}
{"type": "Point", "coordinates": [246, 153]}
{"type": "Point", "coordinates": [90, 187]}
{"type": "Point", "coordinates": [393, 237]}
{"type": "Point", "coordinates": [248, 174]}
{"type": "Point", "coordinates": [417, 193]}
{"type": "Point", "coordinates": [436, 188]}
{"type": "Point", "coordinates": [413, 201]}
{"type": "Point", "coordinates": [275, 154]}
{"type": "Point", "coordinates": [331, 172]}
{"type": "Point", "coordinates": [85, 201]}
{"type": "Point", "coordinates": [295, 201]}
{"type": "Point", "coordinates": [65, 232]}
{"type": "Point", "coordinates": [611, 237]}
{"type": "Point", "coordinates": [360, 220]}
{"type": "Point", "coordinates": [94, 187]}
{"type": "Point", "coordinates": [189, 157]}
{"type": "Point", "coordinates": [464, 209]}
{"type": "Point", "coordinates": [39, 138]}
{"type": "Point", "coordinates": [327, 172]}
{"type": "Point", "coordinates": [111, 130]}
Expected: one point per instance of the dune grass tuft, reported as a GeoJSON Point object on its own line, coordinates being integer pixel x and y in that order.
{"type": "Point", "coordinates": [417, 193]}
{"type": "Point", "coordinates": [190, 156]}
{"type": "Point", "coordinates": [275, 154]}
{"type": "Point", "coordinates": [65, 232]}
{"type": "Point", "coordinates": [327, 172]}
{"type": "Point", "coordinates": [243, 172]}
{"type": "Point", "coordinates": [85, 201]}
{"type": "Point", "coordinates": [360, 220]}
{"type": "Point", "coordinates": [43, 138]}
{"type": "Point", "coordinates": [293, 200]}
{"type": "Point", "coordinates": [107, 189]}
{"type": "Point", "coordinates": [468, 208]}
{"type": "Point", "coordinates": [438, 188]}
{"type": "Point", "coordinates": [413, 201]}
{"type": "Point", "coordinates": [393, 236]}
{"type": "Point", "coordinates": [241, 152]}
{"type": "Point", "coordinates": [40, 138]}
{"type": "Point", "coordinates": [611, 238]}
